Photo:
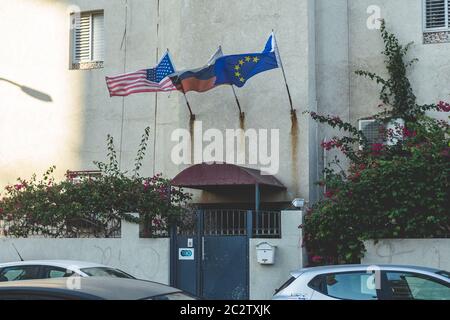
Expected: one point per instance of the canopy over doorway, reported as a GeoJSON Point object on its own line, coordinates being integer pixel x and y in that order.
{"type": "Point", "coordinates": [225, 177]}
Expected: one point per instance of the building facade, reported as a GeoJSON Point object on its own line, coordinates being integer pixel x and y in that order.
{"type": "Point", "coordinates": [55, 108]}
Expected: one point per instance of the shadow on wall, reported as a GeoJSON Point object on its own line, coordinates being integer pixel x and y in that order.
{"type": "Point", "coordinates": [30, 91]}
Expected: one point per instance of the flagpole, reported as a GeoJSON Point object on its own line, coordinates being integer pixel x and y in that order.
{"type": "Point", "coordinates": [284, 74]}
{"type": "Point", "coordinates": [156, 95]}
{"type": "Point", "coordinates": [124, 43]}
{"type": "Point", "coordinates": [241, 114]}
{"type": "Point", "coordinates": [154, 123]}
{"type": "Point", "coordinates": [188, 105]}
{"type": "Point", "coordinates": [184, 94]}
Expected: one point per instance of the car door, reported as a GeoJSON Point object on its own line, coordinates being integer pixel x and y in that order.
{"type": "Point", "coordinates": [21, 272]}
{"type": "Point", "coordinates": [402, 285]}
{"type": "Point", "coordinates": [354, 285]}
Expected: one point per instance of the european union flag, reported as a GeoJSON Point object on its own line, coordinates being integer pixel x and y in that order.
{"type": "Point", "coordinates": [237, 69]}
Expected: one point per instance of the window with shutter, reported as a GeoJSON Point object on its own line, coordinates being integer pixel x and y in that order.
{"type": "Point", "coordinates": [436, 24]}
{"type": "Point", "coordinates": [436, 14]}
{"type": "Point", "coordinates": [88, 40]}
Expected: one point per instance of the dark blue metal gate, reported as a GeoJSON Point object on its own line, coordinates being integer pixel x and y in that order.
{"type": "Point", "coordinates": [185, 274]}
{"type": "Point", "coordinates": [211, 259]}
{"type": "Point", "coordinates": [225, 268]}
{"type": "Point", "coordinates": [210, 254]}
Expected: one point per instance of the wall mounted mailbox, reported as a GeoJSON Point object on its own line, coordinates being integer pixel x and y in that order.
{"type": "Point", "coordinates": [265, 253]}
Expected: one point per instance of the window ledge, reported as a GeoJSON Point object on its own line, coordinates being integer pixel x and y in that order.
{"type": "Point", "coordinates": [430, 37]}
{"type": "Point", "coordinates": [87, 65]}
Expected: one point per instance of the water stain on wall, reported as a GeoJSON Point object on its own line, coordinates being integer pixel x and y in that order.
{"type": "Point", "coordinates": [242, 120]}
{"type": "Point", "coordinates": [294, 151]}
{"type": "Point", "coordinates": [192, 134]}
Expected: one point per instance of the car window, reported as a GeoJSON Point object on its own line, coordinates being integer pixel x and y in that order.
{"type": "Point", "coordinates": [348, 286]}
{"type": "Point", "coordinates": [55, 272]}
{"type": "Point", "coordinates": [412, 286]}
{"type": "Point", "coordinates": [18, 273]}
{"type": "Point", "coordinates": [286, 284]}
{"type": "Point", "coordinates": [106, 272]}
{"type": "Point", "coordinates": [444, 274]}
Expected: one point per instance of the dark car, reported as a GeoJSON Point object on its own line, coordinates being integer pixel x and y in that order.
{"type": "Point", "coordinates": [92, 288]}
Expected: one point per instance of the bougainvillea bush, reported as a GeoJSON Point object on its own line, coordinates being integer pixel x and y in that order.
{"type": "Point", "coordinates": [63, 209]}
{"type": "Point", "coordinates": [398, 188]}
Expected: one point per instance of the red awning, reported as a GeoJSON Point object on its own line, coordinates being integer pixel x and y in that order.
{"type": "Point", "coordinates": [211, 176]}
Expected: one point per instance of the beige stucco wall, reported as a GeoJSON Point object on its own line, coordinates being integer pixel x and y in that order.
{"type": "Point", "coordinates": [429, 77]}
{"type": "Point", "coordinates": [70, 130]}
{"type": "Point", "coordinates": [433, 253]}
{"type": "Point", "coordinates": [146, 259]}
{"type": "Point", "coordinates": [345, 44]}
{"type": "Point", "coordinates": [289, 256]}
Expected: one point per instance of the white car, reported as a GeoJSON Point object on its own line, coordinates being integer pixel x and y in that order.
{"type": "Point", "coordinates": [364, 282]}
{"type": "Point", "coordinates": [45, 269]}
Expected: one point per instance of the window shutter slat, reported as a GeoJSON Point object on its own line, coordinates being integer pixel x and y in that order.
{"type": "Point", "coordinates": [435, 14]}
{"type": "Point", "coordinates": [88, 36]}
{"type": "Point", "coordinates": [82, 36]}
{"type": "Point", "coordinates": [98, 41]}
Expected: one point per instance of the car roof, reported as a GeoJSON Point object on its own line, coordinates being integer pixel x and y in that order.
{"type": "Point", "coordinates": [91, 287]}
{"type": "Point", "coordinates": [355, 267]}
{"type": "Point", "coordinates": [68, 264]}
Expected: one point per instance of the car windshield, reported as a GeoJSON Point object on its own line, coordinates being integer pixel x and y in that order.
{"type": "Point", "coordinates": [173, 296]}
{"type": "Point", "coordinates": [444, 273]}
{"type": "Point", "coordinates": [106, 272]}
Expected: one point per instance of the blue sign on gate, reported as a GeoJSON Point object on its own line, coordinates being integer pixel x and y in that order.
{"type": "Point", "coordinates": [186, 254]}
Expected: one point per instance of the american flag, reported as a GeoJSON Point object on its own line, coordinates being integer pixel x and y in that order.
{"type": "Point", "coordinates": [145, 80]}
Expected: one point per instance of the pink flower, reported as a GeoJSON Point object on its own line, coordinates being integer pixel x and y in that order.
{"type": "Point", "coordinates": [355, 176]}
{"type": "Point", "coordinates": [409, 134]}
{"type": "Point", "coordinates": [156, 222]}
{"type": "Point", "coordinates": [377, 148]}
{"type": "Point", "coordinates": [445, 152]}
{"type": "Point", "coordinates": [329, 194]}
{"type": "Point", "coordinates": [328, 145]}
{"type": "Point", "coordinates": [336, 119]}
{"type": "Point", "coordinates": [444, 106]}
{"type": "Point", "coordinates": [19, 186]}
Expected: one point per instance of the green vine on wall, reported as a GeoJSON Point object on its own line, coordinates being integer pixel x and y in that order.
{"type": "Point", "coordinates": [396, 189]}
{"type": "Point", "coordinates": [64, 209]}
